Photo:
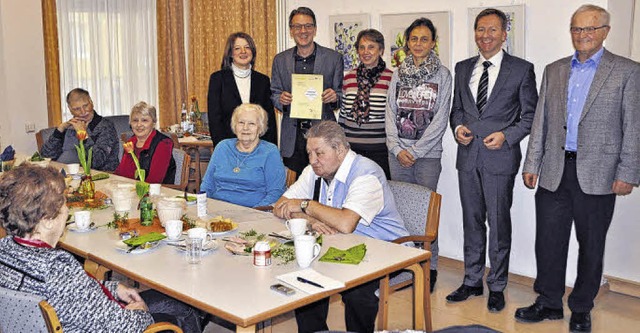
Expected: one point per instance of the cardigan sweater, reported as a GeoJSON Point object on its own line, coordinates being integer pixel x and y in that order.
{"type": "Point", "coordinates": [79, 300]}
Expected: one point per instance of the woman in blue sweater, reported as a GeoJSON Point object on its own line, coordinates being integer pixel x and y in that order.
{"type": "Point", "coordinates": [246, 171]}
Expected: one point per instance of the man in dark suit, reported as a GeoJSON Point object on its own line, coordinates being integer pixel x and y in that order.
{"type": "Point", "coordinates": [306, 57]}
{"type": "Point", "coordinates": [584, 149]}
{"type": "Point", "coordinates": [494, 101]}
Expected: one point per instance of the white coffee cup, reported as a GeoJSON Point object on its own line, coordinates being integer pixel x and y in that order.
{"type": "Point", "coordinates": [154, 189]}
{"type": "Point", "coordinates": [173, 228]}
{"type": "Point", "coordinates": [296, 226]}
{"type": "Point", "coordinates": [306, 249]}
{"type": "Point", "coordinates": [199, 233]}
{"type": "Point", "coordinates": [82, 219]}
{"type": "Point", "coordinates": [73, 169]}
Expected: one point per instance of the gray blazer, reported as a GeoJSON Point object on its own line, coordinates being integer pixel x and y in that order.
{"type": "Point", "coordinates": [329, 63]}
{"type": "Point", "coordinates": [608, 132]}
{"type": "Point", "coordinates": [510, 109]}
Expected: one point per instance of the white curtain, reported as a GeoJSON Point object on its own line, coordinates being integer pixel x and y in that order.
{"type": "Point", "coordinates": [109, 48]}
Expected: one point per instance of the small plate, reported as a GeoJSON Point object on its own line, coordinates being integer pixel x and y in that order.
{"type": "Point", "coordinates": [74, 228]}
{"type": "Point", "coordinates": [285, 235]}
{"type": "Point", "coordinates": [180, 239]}
{"type": "Point", "coordinates": [206, 247]}
{"type": "Point", "coordinates": [220, 233]}
{"type": "Point", "coordinates": [237, 249]}
{"type": "Point", "coordinates": [120, 245]}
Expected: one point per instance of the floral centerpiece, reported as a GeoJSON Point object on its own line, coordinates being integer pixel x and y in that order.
{"type": "Point", "coordinates": [87, 186]}
{"type": "Point", "coordinates": [142, 188]}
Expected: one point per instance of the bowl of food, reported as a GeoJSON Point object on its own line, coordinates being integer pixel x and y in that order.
{"type": "Point", "coordinates": [37, 159]}
{"type": "Point", "coordinates": [170, 209]}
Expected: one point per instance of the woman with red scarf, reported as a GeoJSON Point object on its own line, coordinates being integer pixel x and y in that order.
{"type": "Point", "coordinates": [364, 91]}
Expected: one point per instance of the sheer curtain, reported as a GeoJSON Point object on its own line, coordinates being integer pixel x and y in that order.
{"type": "Point", "coordinates": [109, 48]}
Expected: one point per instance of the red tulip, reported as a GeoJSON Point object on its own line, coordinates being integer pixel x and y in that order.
{"type": "Point", "coordinates": [81, 135]}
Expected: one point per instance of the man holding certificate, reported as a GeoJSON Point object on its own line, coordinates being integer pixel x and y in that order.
{"type": "Point", "coordinates": [306, 82]}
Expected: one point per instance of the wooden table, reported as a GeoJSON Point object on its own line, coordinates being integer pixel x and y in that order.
{"type": "Point", "coordinates": [229, 286]}
{"type": "Point", "coordinates": [192, 144]}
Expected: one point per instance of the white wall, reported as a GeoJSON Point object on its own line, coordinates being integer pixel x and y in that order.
{"type": "Point", "coordinates": [547, 39]}
{"type": "Point", "coordinates": [22, 76]}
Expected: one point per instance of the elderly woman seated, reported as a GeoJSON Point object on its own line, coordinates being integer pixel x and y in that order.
{"type": "Point", "coordinates": [246, 171]}
{"type": "Point", "coordinates": [153, 149]}
{"type": "Point", "coordinates": [33, 213]}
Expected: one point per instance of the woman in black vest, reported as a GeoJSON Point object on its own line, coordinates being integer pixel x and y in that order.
{"type": "Point", "coordinates": [153, 149]}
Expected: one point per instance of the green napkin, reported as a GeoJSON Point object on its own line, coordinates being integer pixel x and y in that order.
{"type": "Point", "coordinates": [139, 240]}
{"type": "Point", "coordinates": [351, 256]}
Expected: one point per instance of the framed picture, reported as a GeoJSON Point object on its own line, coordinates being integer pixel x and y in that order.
{"type": "Point", "coordinates": [514, 44]}
{"type": "Point", "coordinates": [344, 29]}
{"type": "Point", "coordinates": [393, 26]}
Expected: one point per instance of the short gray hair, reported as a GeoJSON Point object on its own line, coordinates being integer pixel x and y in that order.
{"type": "Point", "coordinates": [144, 109]}
{"type": "Point", "coordinates": [260, 113]}
{"type": "Point", "coordinates": [605, 17]}
{"type": "Point", "coordinates": [331, 132]}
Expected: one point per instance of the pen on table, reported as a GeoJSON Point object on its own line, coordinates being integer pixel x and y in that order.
{"type": "Point", "coordinates": [303, 280]}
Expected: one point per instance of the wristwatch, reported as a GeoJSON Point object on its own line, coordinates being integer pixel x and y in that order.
{"type": "Point", "coordinates": [303, 205]}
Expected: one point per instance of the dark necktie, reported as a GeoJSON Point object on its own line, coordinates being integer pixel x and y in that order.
{"type": "Point", "coordinates": [483, 86]}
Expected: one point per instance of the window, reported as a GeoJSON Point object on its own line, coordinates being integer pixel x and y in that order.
{"type": "Point", "coordinates": [109, 48]}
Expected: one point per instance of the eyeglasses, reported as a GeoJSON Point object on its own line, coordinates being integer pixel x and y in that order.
{"type": "Point", "coordinates": [298, 27]}
{"type": "Point", "coordinates": [587, 30]}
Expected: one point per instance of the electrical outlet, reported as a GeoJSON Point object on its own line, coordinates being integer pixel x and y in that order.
{"type": "Point", "coordinates": [29, 127]}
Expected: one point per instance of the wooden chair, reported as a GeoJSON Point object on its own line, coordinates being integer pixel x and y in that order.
{"type": "Point", "coordinates": [419, 208]}
{"type": "Point", "coordinates": [290, 178]}
{"type": "Point", "coordinates": [24, 312]}
{"type": "Point", "coordinates": [183, 161]}
{"type": "Point", "coordinates": [42, 136]}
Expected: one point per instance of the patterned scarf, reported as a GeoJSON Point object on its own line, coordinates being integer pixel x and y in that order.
{"type": "Point", "coordinates": [412, 75]}
{"type": "Point", "coordinates": [366, 78]}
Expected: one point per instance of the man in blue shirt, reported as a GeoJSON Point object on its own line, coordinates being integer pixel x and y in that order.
{"type": "Point", "coordinates": [584, 150]}
{"type": "Point", "coordinates": [350, 195]}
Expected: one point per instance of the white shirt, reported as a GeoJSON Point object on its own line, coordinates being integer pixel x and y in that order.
{"type": "Point", "coordinates": [493, 70]}
{"type": "Point", "coordinates": [365, 196]}
{"type": "Point", "coordinates": [243, 81]}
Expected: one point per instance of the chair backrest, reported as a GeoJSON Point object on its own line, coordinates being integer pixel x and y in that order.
{"type": "Point", "coordinates": [121, 123]}
{"type": "Point", "coordinates": [419, 208]}
{"type": "Point", "coordinates": [183, 160]}
{"type": "Point", "coordinates": [20, 312]}
{"type": "Point", "coordinates": [42, 136]}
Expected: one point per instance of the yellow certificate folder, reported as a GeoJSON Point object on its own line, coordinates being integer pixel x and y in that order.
{"type": "Point", "coordinates": [306, 91]}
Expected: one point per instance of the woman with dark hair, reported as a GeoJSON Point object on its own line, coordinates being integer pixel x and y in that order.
{"type": "Point", "coordinates": [236, 83]}
{"type": "Point", "coordinates": [418, 109]}
{"type": "Point", "coordinates": [34, 214]}
{"type": "Point", "coordinates": [364, 100]}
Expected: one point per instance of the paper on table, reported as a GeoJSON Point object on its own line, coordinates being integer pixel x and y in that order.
{"type": "Point", "coordinates": [311, 275]}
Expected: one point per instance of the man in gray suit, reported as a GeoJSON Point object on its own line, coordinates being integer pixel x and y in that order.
{"type": "Point", "coordinates": [493, 104]}
{"type": "Point", "coordinates": [307, 57]}
{"type": "Point", "coordinates": [584, 150]}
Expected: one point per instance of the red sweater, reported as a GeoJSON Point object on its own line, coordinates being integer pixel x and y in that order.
{"type": "Point", "coordinates": [159, 161]}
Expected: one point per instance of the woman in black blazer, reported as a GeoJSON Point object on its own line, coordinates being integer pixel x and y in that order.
{"type": "Point", "coordinates": [237, 83]}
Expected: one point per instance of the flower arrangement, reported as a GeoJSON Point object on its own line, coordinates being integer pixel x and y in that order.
{"type": "Point", "coordinates": [142, 187]}
{"type": "Point", "coordinates": [85, 161]}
